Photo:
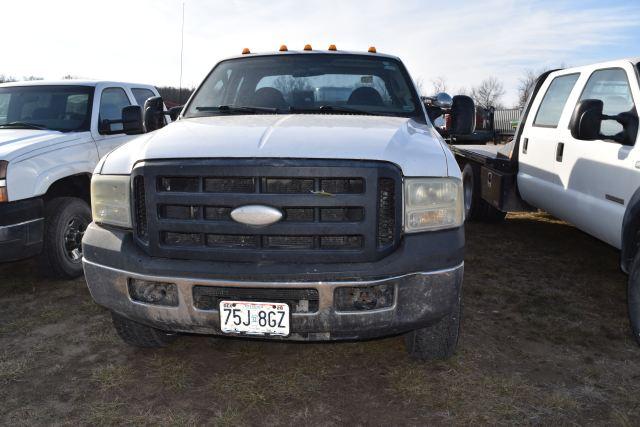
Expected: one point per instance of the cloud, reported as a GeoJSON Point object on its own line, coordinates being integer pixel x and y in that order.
{"type": "Point", "coordinates": [463, 41]}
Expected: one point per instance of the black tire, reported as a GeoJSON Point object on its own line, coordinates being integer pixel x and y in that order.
{"type": "Point", "coordinates": [633, 294]}
{"type": "Point", "coordinates": [438, 341]}
{"type": "Point", "coordinates": [139, 335]}
{"type": "Point", "coordinates": [476, 208]}
{"type": "Point", "coordinates": [471, 192]}
{"type": "Point", "coordinates": [66, 219]}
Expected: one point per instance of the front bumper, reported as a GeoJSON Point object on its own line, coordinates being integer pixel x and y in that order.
{"type": "Point", "coordinates": [420, 299]}
{"type": "Point", "coordinates": [21, 229]}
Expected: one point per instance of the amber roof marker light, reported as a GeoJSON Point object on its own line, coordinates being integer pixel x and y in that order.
{"type": "Point", "coordinates": [246, 51]}
{"type": "Point", "coordinates": [307, 47]}
{"type": "Point", "coordinates": [332, 47]}
{"type": "Point", "coordinates": [283, 48]}
{"type": "Point", "coordinates": [372, 49]}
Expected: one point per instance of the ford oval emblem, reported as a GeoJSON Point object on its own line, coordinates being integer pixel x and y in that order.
{"type": "Point", "coordinates": [256, 215]}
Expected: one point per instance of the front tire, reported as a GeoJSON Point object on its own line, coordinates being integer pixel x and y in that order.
{"type": "Point", "coordinates": [139, 335]}
{"type": "Point", "coordinates": [633, 294]}
{"type": "Point", "coordinates": [438, 341]}
{"type": "Point", "coordinates": [476, 208]}
{"type": "Point", "coordinates": [66, 219]}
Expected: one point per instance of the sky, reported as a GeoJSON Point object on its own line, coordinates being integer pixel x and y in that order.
{"type": "Point", "coordinates": [462, 41]}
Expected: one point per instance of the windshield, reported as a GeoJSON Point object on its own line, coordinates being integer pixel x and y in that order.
{"type": "Point", "coordinates": [307, 83]}
{"type": "Point", "coordinates": [61, 108]}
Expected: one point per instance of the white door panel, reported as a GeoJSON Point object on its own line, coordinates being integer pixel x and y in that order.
{"type": "Point", "coordinates": [600, 176]}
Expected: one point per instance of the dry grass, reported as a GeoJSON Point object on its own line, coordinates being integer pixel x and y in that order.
{"type": "Point", "coordinates": [545, 341]}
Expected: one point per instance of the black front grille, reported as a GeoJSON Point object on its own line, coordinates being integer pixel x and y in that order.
{"type": "Point", "coordinates": [333, 211]}
{"type": "Point", "coordinates": [300, 300]}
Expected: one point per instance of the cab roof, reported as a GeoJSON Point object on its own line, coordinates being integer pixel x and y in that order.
{"type": "Point", "coordinates": [72, 82]}
{"type": "Point", "coordinates": [314, 52]}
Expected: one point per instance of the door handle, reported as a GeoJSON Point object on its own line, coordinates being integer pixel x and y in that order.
{"type": "Point", "coordinates": [525, 145]}
{"type": "Point", "coordinates": [559, 151]}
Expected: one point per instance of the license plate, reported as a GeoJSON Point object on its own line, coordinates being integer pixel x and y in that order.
{"type": "Point", "coordinates": [254, 318]}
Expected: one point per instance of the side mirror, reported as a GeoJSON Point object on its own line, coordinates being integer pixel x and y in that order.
{"type": "Point", "coordinates": [175, 112]}
{"type": "Point", "coordinates": [153, 114]}
{"type": "Point", "coordinates": [586, 120]}
{"type": "Point", "coordinates": [463, 115]}
{"type": "Point", "coordinates": [443, 100]}
{"type": "Point", "coordinates": [132, 120]}
{"type": "Point", "coordinates": [586, 123]}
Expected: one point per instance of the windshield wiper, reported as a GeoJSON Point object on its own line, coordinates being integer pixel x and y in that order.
{"type": "Point", "coordinates": [23, 125]}
{"type": "Point", "coordinates": [338, 109]}
{"type": "Point", "coordinates": [240, 109]}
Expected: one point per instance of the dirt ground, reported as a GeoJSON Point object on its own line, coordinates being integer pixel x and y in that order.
{"type": "Point", "coordinates": [545, 340]}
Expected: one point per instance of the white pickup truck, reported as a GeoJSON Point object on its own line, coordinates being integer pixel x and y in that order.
{"type": "Point", "coordinates": [301, 195]}
{"type": "Point", "coordinates": [575, 155]}
{"type": "Point", "coordinates": [52, 135]}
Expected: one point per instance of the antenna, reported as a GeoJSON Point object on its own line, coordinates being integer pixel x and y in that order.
{"type": "Point", "coordinates": [181, 55]}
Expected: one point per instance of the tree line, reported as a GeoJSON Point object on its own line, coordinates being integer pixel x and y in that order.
{"type": "Point", "coordinates": [489, 92]}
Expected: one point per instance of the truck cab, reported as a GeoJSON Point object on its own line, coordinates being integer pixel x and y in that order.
{"type": "Point", "coordinates": [52, 135]}
{"type": "Point", "coordinates": [301, 195]}
{"type": "Point", "coordinates": [575, 155]}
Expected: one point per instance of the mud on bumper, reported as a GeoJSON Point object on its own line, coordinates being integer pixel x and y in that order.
{"type": "Point", "coordinates": [420, 299]}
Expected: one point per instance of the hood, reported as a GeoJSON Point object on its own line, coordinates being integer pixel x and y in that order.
{"type": "Point", "coordinates": [15, 143]}
{"type": "Point", "coordinates": [415, 147]}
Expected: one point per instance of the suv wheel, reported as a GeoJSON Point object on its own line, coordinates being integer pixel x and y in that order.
{"type": "Point", "coordinates": [438, 341]}
{"type": "Point", "coordinates": [66, 219]}
{"type": "Point", "coordinates": [139, 335]}
{"type": "Point", "coordinates": [634, 297]}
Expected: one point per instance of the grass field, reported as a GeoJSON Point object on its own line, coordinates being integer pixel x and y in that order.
{"type": "Point", "coordinates": [545, 340]}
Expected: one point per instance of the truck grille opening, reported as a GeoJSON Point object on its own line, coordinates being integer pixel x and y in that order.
{"type": "Point", "coordinates": [386, 212]}
{"type": "Point", "coordinates": [300, 300]}
{"type": "Point", "coordinates": [332, 211]}
{"type": "Point", "coordinates": [140, 207]}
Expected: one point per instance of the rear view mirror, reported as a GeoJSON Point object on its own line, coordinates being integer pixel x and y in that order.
{"type": "Point", "coordinates": [132, 120]}
{"type": "Point", "coordinates": [586, 119]}
{"type": "Point", "coordinates": [443, 100]}
{"type": "Point", "coordinates": [463, 115]}
{"type": "Point", "coordinates": [153, 114]}
{"type": "Point", "coordinates": [586, 123]}
{"type": "Point", "coordinates": [174, 112]}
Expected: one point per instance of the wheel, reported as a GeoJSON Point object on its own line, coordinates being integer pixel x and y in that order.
{"type": "Point", "coordinates": [138, 335]}
{"type": "Point", "coordinates": [476, 208]}
{"type": "Point", "coordinates": [66, 219]}
{"type": "Point", "coordinates": [633, 294]}
{"type": "Point", "coordinates": [470, 192]}
{"type": "Point", "coordinates": [438, 341]}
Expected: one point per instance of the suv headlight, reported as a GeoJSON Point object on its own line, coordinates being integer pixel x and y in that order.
{"type": "Point", "coordinates": [432, 204]}
{"type": "Point", "coordinates": [110, 200]}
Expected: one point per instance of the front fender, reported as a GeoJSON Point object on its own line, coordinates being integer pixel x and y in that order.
{"type": "Point", "coordinates": [33, 176]}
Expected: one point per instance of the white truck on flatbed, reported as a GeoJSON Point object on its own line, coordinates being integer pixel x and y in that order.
{"type": "Point", "coordinates": [52, 135]}
{"type": "Point", "coordinates": [301, 195]}
{"type": "Point", "coordinates": [575, 155]}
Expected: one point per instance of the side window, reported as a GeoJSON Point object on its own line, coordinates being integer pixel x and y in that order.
{"type": "Point", "coordinates": [552, 104]}
{"type": "Point", "coordinates": [142, 95]}
{"type": "Point", "coordinates": [611, 86]}
{"type": "Point", "coordinates": [113, 100]}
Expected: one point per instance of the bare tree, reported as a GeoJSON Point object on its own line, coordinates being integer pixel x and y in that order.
{"type": "Point", "coordinates": [69, 77]}
{"type": "Point", "coordinates": [439, 84]}
{"type": "Point", "coordinates": [31, 78]}
{"type": "Point", "coordinates": [488, 93]}
{"type": "Point", "coordinates": [6, 78]}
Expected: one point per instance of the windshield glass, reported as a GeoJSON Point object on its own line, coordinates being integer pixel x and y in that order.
{"type": "Point", "coordinates": [307, 83]}
{"type": "Point", "coordinates": [62, 108]}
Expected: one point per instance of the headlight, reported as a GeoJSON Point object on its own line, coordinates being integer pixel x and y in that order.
{"type": "Point", "coordinates": [432, 204]}
{"type": "Point", "coordinates": [110, 200]}
{"type": "Point", "coordinates": [4, 195]}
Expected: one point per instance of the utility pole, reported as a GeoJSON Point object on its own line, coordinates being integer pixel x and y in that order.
{"type": "Point", "coordinates": [181, 56]}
